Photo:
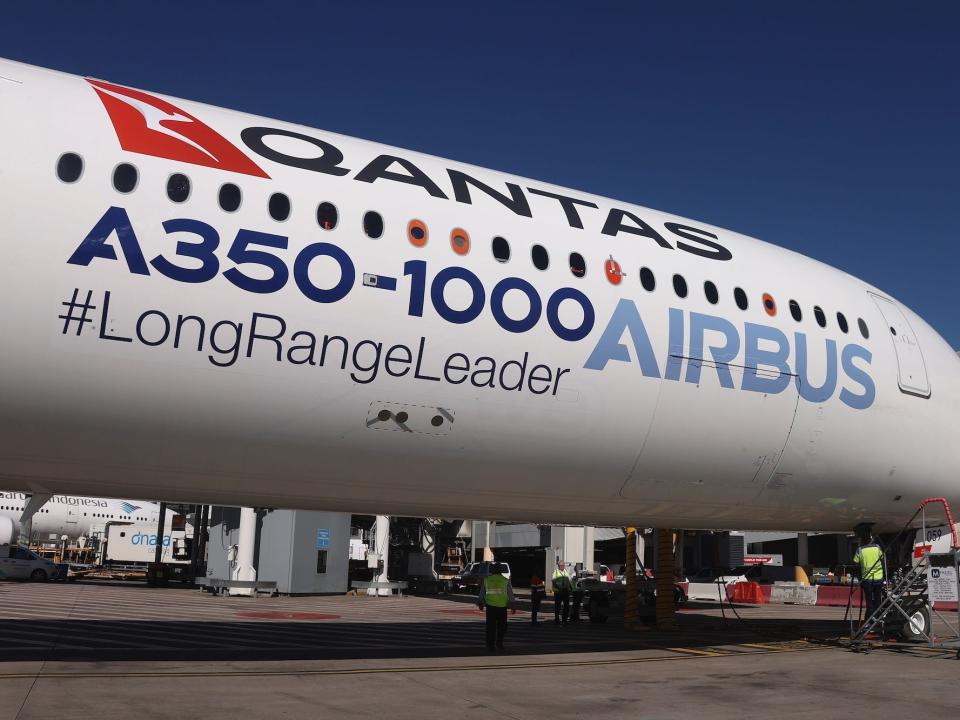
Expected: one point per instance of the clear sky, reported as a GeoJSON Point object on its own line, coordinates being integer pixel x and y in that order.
{"type": "Point", "coordinates": [831, 128]}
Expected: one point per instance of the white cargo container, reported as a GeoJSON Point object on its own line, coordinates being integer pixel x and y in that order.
{"type": "Point", "coordinates": [134, 543]}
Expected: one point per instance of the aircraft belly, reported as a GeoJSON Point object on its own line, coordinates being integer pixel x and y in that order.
{"type": "Point", "coordinates": [711, 444]}
{"type": "Point", "coordinates": [111, 413]}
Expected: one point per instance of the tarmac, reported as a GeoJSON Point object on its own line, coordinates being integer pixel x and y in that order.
{"type": "Point", "coordinates": [87, 650]}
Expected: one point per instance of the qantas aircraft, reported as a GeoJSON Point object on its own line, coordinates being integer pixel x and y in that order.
{"type": "Point", "coordinates": [70, 515]}
{"type": "Point", "coordinates": [222, 308]}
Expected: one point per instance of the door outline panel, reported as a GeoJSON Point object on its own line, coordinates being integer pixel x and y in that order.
{"type": "Point", "coordinates": [905, 345]}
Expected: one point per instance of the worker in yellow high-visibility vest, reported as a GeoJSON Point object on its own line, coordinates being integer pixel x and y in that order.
{"type": "Point", "coordinates": [496, 595]}
{"type": "Point", "coordinates": [562, 587]}
{"type": "Point", "coordinates": [869, 557]}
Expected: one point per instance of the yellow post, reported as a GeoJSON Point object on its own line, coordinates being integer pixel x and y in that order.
{"type": "Point", "coordinates": [631, 608]}
{"type": "Point", "coordinates": [666, 608]}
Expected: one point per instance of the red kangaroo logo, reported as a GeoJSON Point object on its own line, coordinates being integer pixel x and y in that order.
{"type": "Point", "coordinates": [150, 126]}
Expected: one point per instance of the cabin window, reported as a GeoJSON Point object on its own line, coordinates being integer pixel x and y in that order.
{"type": "Point", "coordinates": [460, 241]}
{"type": "Point", "coordinates": [578, 266]}
{"type": "Point", "coordinates": [327, 216]}
{"type": "Point", "coordinates": [647, 279]}
{"type": "Point", "coordinates": [710, 290]}
{"type": "Point", "coordinates": [417, 233]}
{"type": "Point", "coordinates": [373, 224]}
{"type": "Point", "coordinates": [229, 197]}
{"type": "Point", "coordinates": [740, 297]}
{"type": "Point", "coordinates": [818, 314]}
{"type": "Point", "coordinates": [501, 249]}
{"type": "Point", "coordinates": [178, 187]}
{"type": "Point", "coordinates": [680, 286]}
{"type": "Point", "coordinates": [540, 258]}
{"type": "Point", "coordinates": [769, 305]}
{"type": "Point", "coordinates": [125, 178]}
{"type": "Point", "coordinates": [69, 167]}
{"type": "Point", "coordinates": [279, 207]}
{"type": "Point", "coordinates": [864, 330]}
{"type": "Point", "coordinates": [795, 311]}
{"type": "Point", "coordinates": [842, 322]}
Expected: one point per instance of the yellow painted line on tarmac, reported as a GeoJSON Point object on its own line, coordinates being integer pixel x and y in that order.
{"type": "Point", "coordinates": [787, 645]}
{"type": "Point", "coordinates": [680, 654]}
{"type": "Point", "coordinates": [694, 651]}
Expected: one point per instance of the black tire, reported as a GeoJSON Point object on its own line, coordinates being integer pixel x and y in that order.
{"type": "Point", "coordinates": [598, 607]}
{"type": "Point", "coordinates": [38, 575]}
{"type": "Point", "coordinates": [679, 597]}
{"type": "Point", "coordinates": [919, 620]}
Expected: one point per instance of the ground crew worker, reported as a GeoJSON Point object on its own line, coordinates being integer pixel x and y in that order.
{"type": "Point", "coordinates": [562, 586]}
{"type": "Point", "coordinates": [870, 558]}
{"type": "Point", "coordinates": [496, 595]}
{"type": "Point", "coordinates": [537, 591]}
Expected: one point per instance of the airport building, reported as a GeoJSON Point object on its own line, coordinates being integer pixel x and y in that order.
{"type": "Point", "coordinates": [310, 552]}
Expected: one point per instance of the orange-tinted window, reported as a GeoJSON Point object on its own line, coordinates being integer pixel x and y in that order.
{"type": "Point", "coordinates": [769, 304]}
{"type": "Point", "coordinates": [460, 241]}
{"type": "Point", "coordinates": [417, 233]}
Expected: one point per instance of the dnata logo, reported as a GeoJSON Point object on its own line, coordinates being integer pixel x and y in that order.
{"type": "Point", "coordinates": [128, 508]}
{"type": "Point", "coordinates": [149, 540]}
{"type": "Point", "coordinates": [148, 125]}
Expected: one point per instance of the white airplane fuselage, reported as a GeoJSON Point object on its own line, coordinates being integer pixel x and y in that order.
{"type": "Point", "coordinates": [75, 516]}
{"type": "Point", "coordinates": [189, 350]}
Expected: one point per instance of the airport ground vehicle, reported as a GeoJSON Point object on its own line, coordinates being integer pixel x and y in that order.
{"type": "Point", "coordinates": [19, 563]}
{"type": "Point", "coordinates": [602, 599]}
{"type": "Point", "coordinates": [137, 543]}
{"type": "Point", "coordinates": [474, 573]}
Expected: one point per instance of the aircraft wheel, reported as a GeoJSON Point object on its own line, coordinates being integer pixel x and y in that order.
{"type": "Point", "coordinates": [919, 625]}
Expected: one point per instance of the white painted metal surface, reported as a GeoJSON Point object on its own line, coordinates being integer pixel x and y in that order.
{"type": "Point", "coordinates": [670, 410]}
{"type": "Point", "coordinates": [381, 541]}
{"type": "Point", "coordinates": [243, 568]}
{"type": "Point", "coordinates": [912, 370]}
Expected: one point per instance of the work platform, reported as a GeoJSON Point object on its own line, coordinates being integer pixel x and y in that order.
{"type": "Point", "coordinates": [98, 650]}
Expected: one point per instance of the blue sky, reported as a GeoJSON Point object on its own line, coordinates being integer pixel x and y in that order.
{"type": "Point", "coordinates": [831, 128]}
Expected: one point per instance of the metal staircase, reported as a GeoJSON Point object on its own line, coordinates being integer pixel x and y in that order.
{"type": "Point", "coordinates": [908, 596]}
{"type": "Point", "coordinates": [907, 609]}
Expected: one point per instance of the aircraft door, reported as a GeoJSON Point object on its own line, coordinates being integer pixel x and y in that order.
{"type": "Point", "coordinates": [72, 515]}
{"type": "Point", "coordinates": [912, 370]}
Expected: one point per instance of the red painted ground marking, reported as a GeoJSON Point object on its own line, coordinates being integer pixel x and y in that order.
{"type": "Point", "coordinates": [475, 611]}
{"type": "Point", "coordinates": [280, 615]}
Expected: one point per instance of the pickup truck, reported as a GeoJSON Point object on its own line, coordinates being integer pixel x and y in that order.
{"type": "Point", "coordinates": [473, 575]}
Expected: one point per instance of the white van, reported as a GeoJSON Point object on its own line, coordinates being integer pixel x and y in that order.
{"type": "Point", "coordinates": [19, 563]}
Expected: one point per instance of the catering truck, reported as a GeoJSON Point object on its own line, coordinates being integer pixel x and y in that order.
{"type": "Point", "coordinates": [132, 543]}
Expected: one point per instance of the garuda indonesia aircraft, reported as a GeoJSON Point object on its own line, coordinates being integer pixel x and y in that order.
{"type": "Point", "coordinates": [70, 515]}
{"type": "Point", "coordinates": [215, 307]}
